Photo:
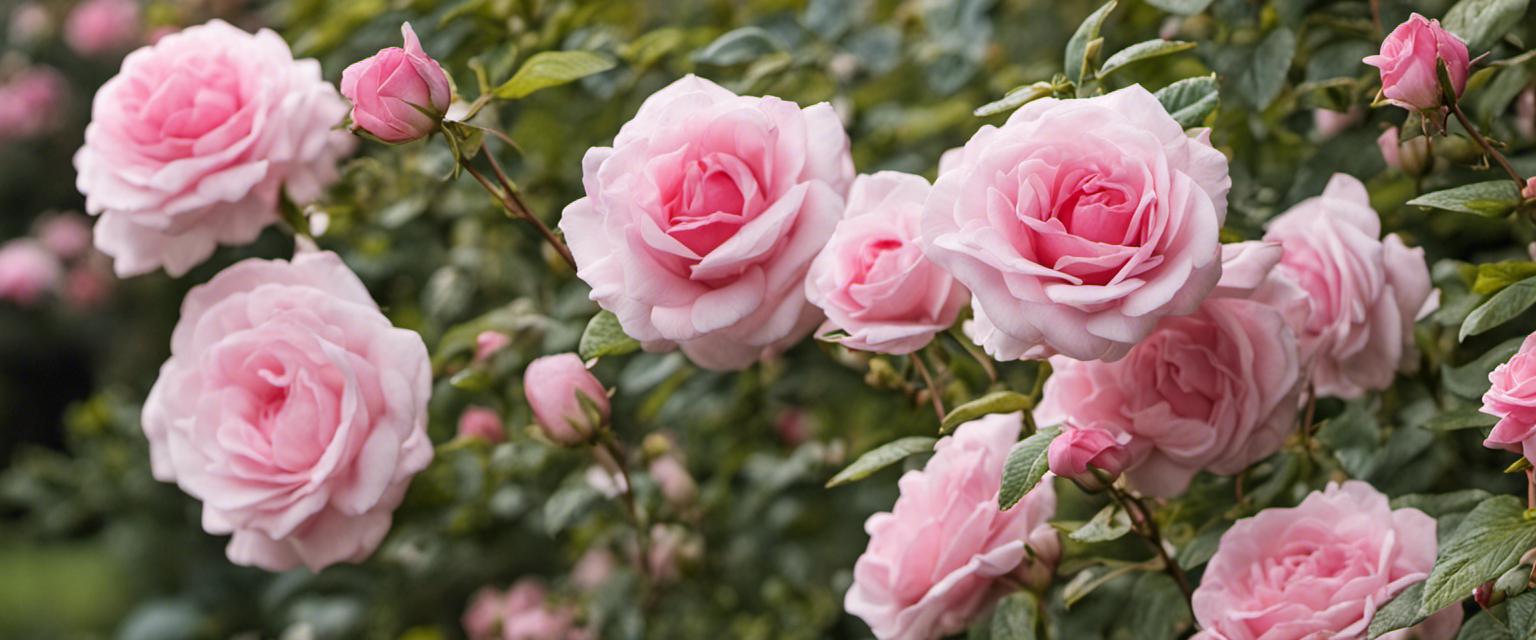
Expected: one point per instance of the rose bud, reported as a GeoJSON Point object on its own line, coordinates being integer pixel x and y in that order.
{"type": "Point", "coordinates": [1409, 59]}
{"type": "Point", "coordinates": [1071, 455]}
{"type": "Point", "coordinates": [1409, 156]}
{"type": "Point", "coordinates": [568, 402]}
{"type": "Point", "coordinates": [482, 423]}
{"type": "Point", "coordinates": [398, 95]}
{"type": "Point", "coordinates": [490, 342]}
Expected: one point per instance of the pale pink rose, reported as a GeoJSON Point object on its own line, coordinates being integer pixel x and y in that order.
{"type": "Point", "coordinates": [872, 279]}
{"type": "Point", "coordinates": [490, 342]}
{"type": "Point", "coordinates": [593, 569]}
{"type": "Point", "coordinates": [27, 271]}
{"type": "Point", "coordinates": [677, 486]}
{"type": "Point", "coordinates": [1364, 292]}
{"type": "Point", "coordinates": [1329, 123]}
{"type": "Point", "coordinates": [1319, 570]}
{"type": "Point", "coordinates": [522, 612]}
{"type": "Point", "coordinates": [67, 235]}
{"type": "Point", "coordinates": [1529, 192]}
{"type": "Point", "coordinates": [1387, 143]}
{"type": "Point", "coordinates": [701, 220]}
{"type": "Point", "coordinates": [398, 95]}
{"type": "Point", "coordinates": [191, 144]}
{"type": "Point", "coordinates": [293, 410]}
{"type": "Point", "coordinates": [1525, 113]}
{"type": "Point", "coordinates": [554, 386]}
{"type": "Point", "coordinates": [934, 561]}
{"type": "Point", "coordinates": [482, 423]}
{"type": "Point", "coordinates": [1216, 390]}
{"type": "Point", "coordinates": [30, 102]}
{"type": "Point", "coordinates": [1078, 224]}
{"type": "Point", "coordinates": [96, 27]}
{"type": "Point", "coordinates": [1512, 397]}
{"type": "Point", "coordinates": [1075, 450]}
{"type": "Point", "coordinates": [1409, 59]}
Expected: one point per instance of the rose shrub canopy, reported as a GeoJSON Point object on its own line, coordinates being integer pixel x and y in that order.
{"type": "Point", "coordinates": [800, 319]}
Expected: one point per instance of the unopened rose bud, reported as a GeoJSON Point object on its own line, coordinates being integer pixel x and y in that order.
{"type": "Point", "coordinates": [482, 423]}
{"type": "Point", "coordinates": [568, 402]}
{"type": "Point", "coordinates": [1409, 61]}
{"type": "Point", "coordinates": [398, 95]}
{"type": "Point", "coordinates": [1076, 453]}
{"type": "Point", "coordinates": [676, 485]}
{"type": "Point", "coordinates": [1409, 156]}
{"type": "Point", "coordinates": [488, 343]}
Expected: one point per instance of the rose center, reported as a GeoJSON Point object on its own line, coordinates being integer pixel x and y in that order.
{"type": "Point", "coordinates": [717, 194]}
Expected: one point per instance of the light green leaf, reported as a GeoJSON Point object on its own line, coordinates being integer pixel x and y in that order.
{"type": "Point", "coordinates": [1181, 7]}
{"type": "Point", "coordinates": [1078, 45]}
{"type": "Point", "coordinates": [1265, 74]}
{"type": "Point", "coordinates": [1504, 306]}
{"type": "Point", "coordinates": [1489, 542]}
{"type": "Point", "coordinates": [1016, 617]}
{"type": "Point", "coordinates": [1143, 51]}
{"type": "Point", "coordinates": [645, 50]}
{"type": "Point", "coordinates": [1482, 22]}
{"type": "Point", "coordinates": [1491, 199]}
{"type": "Point", "coordinates": [1442, 504]}
{"type": "Point", "coordinates": [995, 402]}
{"type": "Point", "coordinates": [738, 46]}
{"type": "Point", "coordinates": [1016, 98]}
{"type": "Point", "coordinates": [1190, 100]}
{"type": "Point", "coordinates": [566, 505]}
{"type": "Point", "coordinates": [1493, 276]}
{"type": "Point", "coordinates": [1110, 523]}
{"type": "Point", "coordinates": [1522, 614]}
{"type": "Point", "coordinates": [604, 337]}
{"type": "Point", "coordinates": [1025, 466]}
{"type": "Point", "coordinates": [1400, 612]}
{"type": "Point", "coordinates": [1461, 419]}
{"type": "Point", "coordinates": [881, 457]}
{"type": "Point", "coordinates": [550, 69]}
{"type": "Point", "coordinates": [1483, 626]}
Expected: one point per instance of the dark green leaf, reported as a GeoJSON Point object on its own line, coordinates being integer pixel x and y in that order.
{"type": "Point", "coordinates": [738, 46]}
{"type": "Point", "coordinates": [1190, 100]}
{"type": "Point", "coordinates": [604, 337]}
{"type": "Point", "coordinates": [1489, 542]}
{"type": "Point", "coordinates": [1461, 419]}
{"type": "Point", "coordinates": [1199, 549]}
{"type": "Point", "coordinates": [1025, 466]}
{"type": "Point", "coordinates": [1522, 614]}
{"type": "Point", "coordinates": [1471, 379]}
{"type": "Point", "coordinates": [1482, 22]}
{"type": "Point", "coordinates": [1261, 81]}
{"type": "Point", "coordinates": [1016, 98]}
{"type": "Point", "coordinates": [1110, 523]}
{"type": "Point", "coordinates": [881, 457]}
{"type": "Point", "coordinates": [1354, 438]}
{"type": "Point", "coordinates": [1181, 7]}
{"type": "Point", "coordinates": [995, 402]}
{"type": "Point", "coordinates": [1483, 626]}
{"type": "Point", "coordinates": [552, 68]}
{"type": "Point", "coordinates": [1016, 618]}
{"type": "Point", "coordinates": [1078, 45]}
{"type": "Point", "coordinates": [565, 505]}
{"type": "Point", "coordinates": [1158, 610]}
{"type": "Point", "coordinates": [1504, 306]}
{"type": "Point", "coordinates": [1143, 51]}
{"type": "Point", "coordinates": [1400, 612]}
{"type": "Point", "coordinates": [1491, 199]}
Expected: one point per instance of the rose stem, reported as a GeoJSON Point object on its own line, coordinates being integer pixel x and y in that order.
{"type": "Point", "coordinates": [1144, 526]}
{"type": "Point", "coordinates": [1466, 123]}
{"type": "Point", "coordinates": [608, 446]}
{"type": "Point", "coordinates": [516, 209]}
{"type": "Point", "coordinates": [933, 392]}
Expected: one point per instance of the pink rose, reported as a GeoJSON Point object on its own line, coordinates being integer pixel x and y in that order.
{"type": "Point", "coordinates": [191, 144]}
{"type": "Point", "coordinates": [522, 612]}
{"type": "Point", "coordinates": [293, 410]}
{"type": "Point", "coordinates": [555, 386]}
{"type": "Point", "coordinates": [1387, 143]}
{"type": "Point", "coordinates": [1078, 224]}
{"type": "Point", "coordinates": [872, 279]}
{"type": "Point", "coordinates": [1409, 59]}
{"type": "Point", "coordinates": [490, 342]}
{"type": "Point", "coordinates": [482, 423]}
{"type": "Point", "coordinates": [1512, 397]}
{"type": "Point", "coordinates": [1319, 570]}
{"type": "Point", "coordinates": [1075, 450]}
{"type": "Point", "coordinates": [1329, 123]}
{"type": "Point", "coordinates": [1364, 293]}
{"type": "Point", "coordinates": [67, 235]}
{"type": "Point", "coordinates": [593, 569]}
{"type": "Point", "coordinates": [398, 95]}
{"type": "Point", "coordinates": [30, 102]}
{"type": "Point", "coordinates": [96, 27]}
{"type": "Point", "coordinates": [27, 271]}
{"type": "Point", "coordinates": [1411, 156]}
{"type": "Point", "coordinates": [1525, 113]}
{"type": "Point", "coordinates": [701, 220]}
{"type": "Point", "coordinates": [934, 561]}
{"type": "Point", "coordinates": [1216, 390]}
{"type": "Point", "coordinates": [1529, 192]}
{"type": "Point", "coordinates": [677, 486]}
{"type": "Point", "coordinates": [88, 285]}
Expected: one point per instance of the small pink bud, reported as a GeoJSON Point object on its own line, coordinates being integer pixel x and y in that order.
{"type": "Point", "coordinates": [676, 485]}
{"type": "Point", "coordinates": [1075, 450]}
{"type": "Point", "coordinates": [1530, 188]}
{"type": "Point", "coordinates": [27, 271]}
{"type": "Point", "coordinates": [482, 423]}
{"type": "Point", "coordinates": [98, 27]}
{"type": "Point", "coordinates": [555, 387]}
{"type": "Point", "coordinates": [398, 95]}
{"type": "Point", "coordinates": [488, 343]}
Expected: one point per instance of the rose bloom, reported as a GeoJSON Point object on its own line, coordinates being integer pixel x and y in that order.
{"type": "Point", "coordinates": [554, 386]}
{"type": "Point", "coordinates": [872, 279]}
{"type": "Point", "coordinates": [191, 144]}
{"type": "Point", "coordinates": [398, 95]}
{"type": "Point", "coordinates": [1512, 397]}
{"type": "Point", "coordinates": [96, 27]}
{"type": "Point", "coordinates": [30, 102]}
{"type": "Point", "coordinates": [1409, 63]}
{"type": "Point", "coordinates": [1319, 570]}
{"type": "Point", "coordinates": [701, 220]}
{"type": "Point", "coordinates": [1216, 390]}
{"type": "Point", "coordinates": [1329, 123]}
{"type": "Point", "coordinates": [522, 612]}
{"type": "Point", "coordinates": [27, 271]}
{"type": "Point", "coordinates": [67, 235]}
{"type": "Point", "coordinates": [934, 561]}
{"type": "Point", "coordinates": [1364, 292]}
{"type": "Point", "coordinates": [1078, 224]}
{"type": "Point", "coordinates": [293, 410]}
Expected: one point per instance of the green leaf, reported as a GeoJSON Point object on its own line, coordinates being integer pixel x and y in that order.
{"type": "Point", "coordinates": [1399, 613]}
{"type": "Point", "coordinates": [1199, 549]}
{"type": "Point", "coordinates": [1143, 51]}
{"type": "Point", "coordinates": [566, 505]}
{"type": "Point", "coordinates": [1077, 47]}
{"type": "Point", "coordinates": [1471, 379]}
{"type": "Point", "coordinates": [550, 69]}
{"type": "Point", "coordinates": [645, 50]}
{"type": "Point", "coordinates": [1016, 617]}
{"type": "Point", "coordinates": [1110, 523]}
{"type": "Point", "coordinates": [1489, 542]}
{"type": "Point", "coordinates": [995, 402]}
{"type": "Point", "coordinates": [1158, 610]}
{"type": "Point", "coordinates": [1265, 74]}
{"type": "Point", "coordinates": [1522, 614]}
{"type": "Point", "coordinates": [1354, 437]}
{"type": "Point", "coordinates": [738, 46]}
{"type": "Point", "coordinates": [881, 457]}
{"type": "Point", "coordinates": [1504, 306]}
{"type": "Point", "coordinates": [1491, 199]}
{"type": "Point", "coordinates": [1181, 7]}
{"type": "Point", "coordinates": [1460, 419]}
{"type": "Point", "coordinates": [1482, 22]}
{"type": "Point", "coordinates": [604, 337]}
{"type": "Point", "coordinates": [1025, 466]}
{"type": "Point", "coordinates": [1494, 276]}
{"type": "Point", "coordinates": [1190, 100]}
{"type": "Point", "coordinates": [1016, 98]}
{"type": "Point", "coordinates": [1483, 626]}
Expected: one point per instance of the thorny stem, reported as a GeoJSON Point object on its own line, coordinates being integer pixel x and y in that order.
{"type": "Point", "coordinates": [1146, 527]}
{"type": "Point", "coordinates": [933, 392]}
{"type": "Point", "coordinates": [513, 204]}
{"type": "Point", "coordinates": [609, 450]}
{"type": "Point", "coordinates": [1466, 123]}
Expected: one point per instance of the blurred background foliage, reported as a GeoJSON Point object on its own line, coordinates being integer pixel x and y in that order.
{"type": "Point", "coordinates": [91, 546]}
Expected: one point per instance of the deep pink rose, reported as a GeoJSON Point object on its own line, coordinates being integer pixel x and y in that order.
{"type": "Point", "coordinates": [522, 612]}
{"type": "Point", "coordinates": [482, 423]}
{"type": "Point", "coordinates": [191, 144]}
{"type": "Point", "coordinates": [30, 102]}
{"type": "Point", "coordinates": [1512, 397]}
{"type": "Point", "coordinates": [1078, 224]}
{"type": "Point", "coordinates": [96, 27]}
{"type": "Point", "coordinates": [1319, 570]}
{"type": "Point", "coordinates": [872, 279]}
{"type": "Point", "coordinates": [27, 271]}
{"type": "Point", "coordinates": [398, 95]}
{"type": "Point", "coordinates": [1408, 63]}
{"type": "Point", "coordinates": [1075, 450]}
{"type": "Point", "coordinates": [1216, 390]}
{"type": "Point", "coordinates": [701, 220]}
{"type": "Point", "coordinates": [934, 560]}
{"type": "Point", "coordinates": [1364, 292]}
{"type": "Point", "coordinates": [554, 386]}
{"type": "Point", "coordinates": [293, 410]}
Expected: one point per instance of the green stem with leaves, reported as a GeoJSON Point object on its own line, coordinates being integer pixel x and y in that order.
{"type": "Point", "coordinates": [1145, 526]}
